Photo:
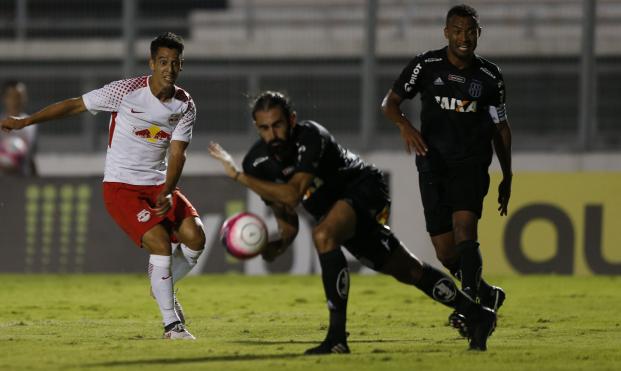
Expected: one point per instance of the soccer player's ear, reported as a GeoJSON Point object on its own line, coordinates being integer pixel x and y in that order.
{"type": "Point", "coordinates": [446, 31]}
{"type": "Point", "coordinates": [181, 64]}
{"type": "Point", "coordinates": [293, 119]}
{"type": "Point", "coordinates": [151, 63]}
{"type": "Point", "coordinates": [480, 30]}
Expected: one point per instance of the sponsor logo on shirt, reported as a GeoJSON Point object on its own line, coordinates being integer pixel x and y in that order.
{"type": "Point", "coordinates": [174, 118]}
{"type": "Point", "coordinates": [259, 160]}
{"type": "Point", "coordinates": [430, 60]}
{"type": "Point", "coordinates": [438, 81]}
{"type": "Point", "coordinates": [488, 73]}
{"type": "Point", "coordinates": [153, 134]}
{"type": "Point", "coordinates": [410, 84]}
{"type": "Point", "coordinates": [457, 105]}
{"type": "Point", "coordinates": [457, 78]}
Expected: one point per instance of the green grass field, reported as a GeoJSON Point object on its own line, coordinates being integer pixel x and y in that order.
{"type": "Point", "coordinates": [95, 322]}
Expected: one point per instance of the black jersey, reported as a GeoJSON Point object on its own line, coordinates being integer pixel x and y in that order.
{"type": "Point", "coordinates": [335, 168]}
{"type": "Point", "coordinates": [459, 107]}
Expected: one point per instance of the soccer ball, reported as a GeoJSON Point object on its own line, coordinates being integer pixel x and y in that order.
{"type": "Point", "coordinates": [13, 151]}
{"type": "Point", "coordinates": [244, 235]}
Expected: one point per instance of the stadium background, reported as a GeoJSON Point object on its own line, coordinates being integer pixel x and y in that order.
{"type": "Point", "coordinates": [560, 58]}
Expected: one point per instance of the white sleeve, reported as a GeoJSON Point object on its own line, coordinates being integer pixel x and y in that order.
{"type": "Point", "coordinates": [183, 130]}
{"type": "Point", "coordinates": [109, 97]}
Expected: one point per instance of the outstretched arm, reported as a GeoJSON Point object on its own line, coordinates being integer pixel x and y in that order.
{"type": "Point", "coordinates": [502, 146]}
{"type": "Point", "coordinates": [288, 225]}
{"type": "Point", "coordinates": [391, 107]}
{"type": "Point", "coordinates": [65, 108]}
{"type": "Point", "coordinates": [289, 194]}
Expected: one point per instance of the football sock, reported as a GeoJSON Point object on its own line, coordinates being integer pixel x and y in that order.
{"type": "Point", "coordinates": [455, 269]}
{"type": "Point", "coordinates": [162, 286]}
{"type": "Point", "coordinates": [183, 260]}
{"type": "Point", "coordinates": [471, 266]}
{"type": "Point", "coordinates": [441, 288]}
{"type": "Point", "coordinates": [335, 277]}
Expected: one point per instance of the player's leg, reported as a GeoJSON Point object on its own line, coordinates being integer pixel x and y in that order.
{"type": "Point", "coordinates": [446, 252]}
{"type": "Point", "coordinates": [473, 320]}
{"type": "Point", "coordinates": [466, 245]}
{"type": "Point", "coordinates": [191, 236]}
{"type": "Point", "coordinates": [157, 241]}
{"type": "Point", "coordinates": [336, 227]}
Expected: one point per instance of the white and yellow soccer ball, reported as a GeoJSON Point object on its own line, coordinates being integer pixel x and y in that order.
{"type": "Point", "coordinates": [244, 235]}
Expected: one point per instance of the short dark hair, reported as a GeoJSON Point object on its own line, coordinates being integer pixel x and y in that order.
{"type": "Point", "coordinates": [11, 84]}
{"type": "Point", "coordinates": [167, 40]}
{"type": "Point", "coordinates": [462, 10]}
{"type": "Point", "coordinates": [271, 99]}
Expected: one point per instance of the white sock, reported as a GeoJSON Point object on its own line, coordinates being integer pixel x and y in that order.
{"type": "Point", "coordinates": [183, 260]}
{"type": "Point", "coordinates": [162, 286]}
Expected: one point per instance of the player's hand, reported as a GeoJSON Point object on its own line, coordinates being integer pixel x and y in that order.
{"type": "Point", "coordinates": [12, 123]}
{"type": "Point", "coordinates": [217, 152]}
{"type": "Point", "coordinates": [273, 250]}
{"type": "Point", "coordinates": [504, 193]}
{"type": "Point", "coordinates": [163, 203]}
{"type": "Point", "coordinates": [413, 140]}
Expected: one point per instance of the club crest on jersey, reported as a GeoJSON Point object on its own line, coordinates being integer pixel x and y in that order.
{"type": "Point", "coordinates": [153, 134]}
{"type": "Point", "coordinates": [457, 105]}
{"type": "Point", "coordinates": [143, 216]}
{"type": "Point", "coordinates": [174, 118]}
{"type": "Point", "coordinates": [475, 89]}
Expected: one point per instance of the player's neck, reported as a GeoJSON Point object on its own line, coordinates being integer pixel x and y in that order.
{"type": "Point", "coordinates": [161, 91]}
{"type": "Point", "coordinates": [459, 63]}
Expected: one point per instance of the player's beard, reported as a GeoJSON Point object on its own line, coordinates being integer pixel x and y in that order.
{"type": "Point", "coordinates": [282, 150]}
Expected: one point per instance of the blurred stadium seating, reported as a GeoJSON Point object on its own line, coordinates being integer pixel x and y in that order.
{"type": "Point", "coordinates": [312, 49]}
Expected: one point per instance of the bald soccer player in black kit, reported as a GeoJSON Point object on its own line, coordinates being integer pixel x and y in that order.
{"type": "Point", "coordinates": [463, 113]}
{"type": "Point", "coordinates": [301, 163]}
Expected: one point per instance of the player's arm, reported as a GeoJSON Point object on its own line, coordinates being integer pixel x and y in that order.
{"type": "Point", "coordinates": [391, 107]}
{"type": "Point", "coordinates": [288, 225]}
{"type": "Point", "coordinates": [176, 160]}
{"type": "Point", "coordinates": [502, 146]}
{"type": "Point", "coordinates": [289, 194]}
{"type": "Point", "coordinates": [65, 108]}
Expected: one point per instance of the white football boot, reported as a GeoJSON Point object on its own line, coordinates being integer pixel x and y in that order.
{"type": "Point", "coordinates": [178, 332]}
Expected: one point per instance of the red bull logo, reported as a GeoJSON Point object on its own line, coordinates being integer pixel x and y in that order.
{"type": "Point", "coordinates": [153, 134]}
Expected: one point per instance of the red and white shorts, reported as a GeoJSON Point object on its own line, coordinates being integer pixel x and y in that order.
{"type": "Point", "coordinates": [131, 207]}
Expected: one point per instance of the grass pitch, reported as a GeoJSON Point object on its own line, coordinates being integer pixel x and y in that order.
{"type": "Point", "coordinates": [96, 322]}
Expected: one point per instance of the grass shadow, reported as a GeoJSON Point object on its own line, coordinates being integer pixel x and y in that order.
{"type": "Point", "coordinates": [221, 358]}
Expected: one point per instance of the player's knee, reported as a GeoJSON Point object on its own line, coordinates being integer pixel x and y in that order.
{"type": "Point", "coordinates": [464, 231]}
{"type": "Point", "coordinates": [157, 246]}
{"type": "Point", "coordinates": [324, 240]}
{"type": "Point", "coordinates": [196, 239]}
{"type": "Point", "coordinates": [446, 258]}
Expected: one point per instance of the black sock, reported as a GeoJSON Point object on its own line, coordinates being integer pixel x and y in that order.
{"type": "Point", "coordinates": [471, 266]}
{"type": "Point", "coordinates": [335, 277]}
{"type": "Point", "coordinates": [441, 288]}
{"type": "Point", "coordinates": [455, 269]}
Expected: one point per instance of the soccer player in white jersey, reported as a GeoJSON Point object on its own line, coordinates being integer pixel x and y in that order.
{"type": "Point", "coordinates": [150, 117]}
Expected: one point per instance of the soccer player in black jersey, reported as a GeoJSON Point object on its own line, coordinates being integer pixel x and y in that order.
{"type": "Point", "coordinates": [463, 112]}
{"type": "Point", "coordinates": [300, 162]}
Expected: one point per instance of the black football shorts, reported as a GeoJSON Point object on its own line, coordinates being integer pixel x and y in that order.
{"type": "Point", "coordinates": [373, 242]}
{"type": "Point", "coordinates": [454, 189]}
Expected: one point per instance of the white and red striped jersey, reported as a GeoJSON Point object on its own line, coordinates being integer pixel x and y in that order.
{"type": "Point", "coordinates": [141, 128]}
